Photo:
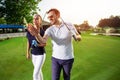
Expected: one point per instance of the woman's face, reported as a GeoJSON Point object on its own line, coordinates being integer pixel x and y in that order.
{"type": "Point", "coordinates": [37, 20]}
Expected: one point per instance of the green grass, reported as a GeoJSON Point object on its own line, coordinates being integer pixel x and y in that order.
{"type": "Point", "coordinates": [96, 58]}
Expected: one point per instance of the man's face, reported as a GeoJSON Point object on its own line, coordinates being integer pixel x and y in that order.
{"type": "Point", "coordinates": [52, 17]}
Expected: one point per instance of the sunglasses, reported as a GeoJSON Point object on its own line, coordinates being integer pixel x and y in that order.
{"type": "Point", "coordinates": [50, 16]}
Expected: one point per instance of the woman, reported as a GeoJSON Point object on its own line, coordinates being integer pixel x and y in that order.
{"type": "Point", "coordinates": [35, 48]}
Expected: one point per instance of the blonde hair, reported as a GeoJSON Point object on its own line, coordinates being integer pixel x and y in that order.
{"type": "Point", "coordinates": [37, 15]}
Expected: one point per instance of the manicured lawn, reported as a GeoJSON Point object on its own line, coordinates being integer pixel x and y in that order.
{"type": "Point", "coordinates": [96, 58]}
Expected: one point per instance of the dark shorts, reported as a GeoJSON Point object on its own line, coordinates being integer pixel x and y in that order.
{"type": "Point", "coordinates": [58, 65]}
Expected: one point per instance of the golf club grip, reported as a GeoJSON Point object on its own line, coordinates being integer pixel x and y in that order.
{"type": "Point", "coordinates": [74, 37]}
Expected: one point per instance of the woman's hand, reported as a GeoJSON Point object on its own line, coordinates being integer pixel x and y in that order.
{"type": "Point", "coordinates": [28, 56]}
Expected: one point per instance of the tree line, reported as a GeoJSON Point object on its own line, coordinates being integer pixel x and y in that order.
{"type": "Point", "coordinates": [13, 11]}
{"type": "Point", "coordinates": [111, 22]}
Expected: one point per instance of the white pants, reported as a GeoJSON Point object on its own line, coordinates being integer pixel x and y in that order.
{"type": "Point", "coordinates": [38, 61]}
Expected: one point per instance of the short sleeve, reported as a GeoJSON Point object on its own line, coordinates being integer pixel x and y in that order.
{"type": "Point", "coordinates": [27, 34]}
{"type": "Point", "coordinates": [48, 32]}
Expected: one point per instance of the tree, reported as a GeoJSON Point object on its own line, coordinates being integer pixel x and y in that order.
{"type": "Point", "coordinates": [104, 22]}
{"type": "Point", "coordinates": [84, 26]}
{"type": "Point", "coordinates": [2, 8]}
{"type": "Point", "coordinates": [2, 21]}
{"type": "Point", "coordinates": [110, 22]}
{"type": "Point", "coordinates": [115, 22]}
{"type": "Point", "coordinates": [15, 10]}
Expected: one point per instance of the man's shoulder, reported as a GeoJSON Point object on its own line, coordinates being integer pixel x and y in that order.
{"type": "Point", "coordinates": [50, 28]}
{"type": "Point", "coordinates": [68, 23]}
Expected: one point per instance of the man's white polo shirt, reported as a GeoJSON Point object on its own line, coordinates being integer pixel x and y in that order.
{"type": "Point", "coordinates": [61, 41]}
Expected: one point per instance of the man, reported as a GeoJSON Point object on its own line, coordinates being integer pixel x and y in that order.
{"type": "Point", "coordinates": [61, 35]}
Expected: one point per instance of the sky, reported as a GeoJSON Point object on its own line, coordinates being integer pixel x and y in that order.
{"type": "Point", "coordinates": [78, 11]}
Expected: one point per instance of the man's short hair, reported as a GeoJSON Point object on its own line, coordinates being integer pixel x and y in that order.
{"type": "Point", "coordinates": [57, 12]}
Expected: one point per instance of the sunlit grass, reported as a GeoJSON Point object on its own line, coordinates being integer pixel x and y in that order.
{"type": "Point", "coordinates": [96, 58]}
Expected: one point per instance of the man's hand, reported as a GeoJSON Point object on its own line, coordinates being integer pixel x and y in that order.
{"type": "Point", "coordinates": [42, 44]}
{"type": "Point", "coordinates": [31, 29]}
{"type": "Point", "coordinates": [78, 37]}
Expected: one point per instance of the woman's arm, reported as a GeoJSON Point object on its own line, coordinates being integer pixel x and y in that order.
{"type": "Point", "coordinates": [28, 51]}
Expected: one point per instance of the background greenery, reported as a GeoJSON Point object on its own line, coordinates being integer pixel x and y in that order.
{"type": "Point", "coordinates": [96, 58]}
{"type": "Point", "coordinates": [14, 11]}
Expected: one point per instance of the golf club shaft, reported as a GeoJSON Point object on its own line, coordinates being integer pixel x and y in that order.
{"type": "Point", "coordinates": [69, 30]}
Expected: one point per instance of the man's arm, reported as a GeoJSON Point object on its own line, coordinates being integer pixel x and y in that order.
{"type": "Point", "coordinates": [41, 39]}
{"type": "Point", "coordinates": [42, 44]}
{"type": "Point", "coordinates": [78, 37]}
{"type": "Point", "coordinates": [35, 33]}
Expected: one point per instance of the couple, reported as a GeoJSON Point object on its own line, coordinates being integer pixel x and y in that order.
{"type": "Point", "coordinates": [61, 35]}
